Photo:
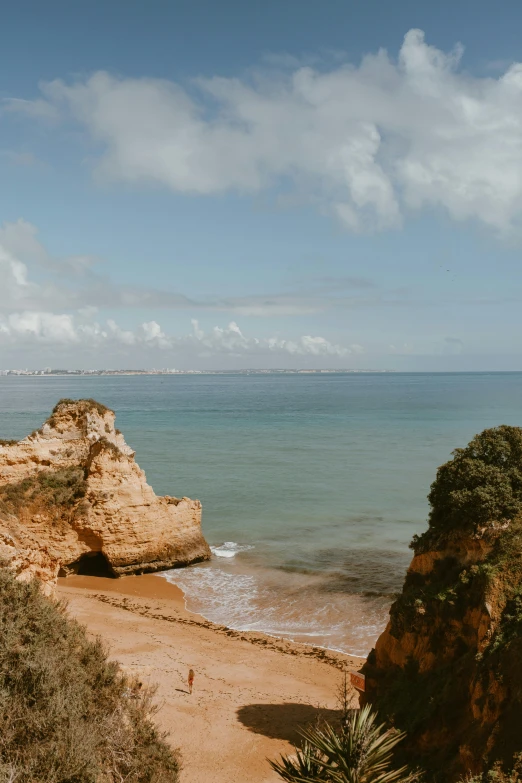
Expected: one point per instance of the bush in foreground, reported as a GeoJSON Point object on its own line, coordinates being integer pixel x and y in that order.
{"type": "Point", "coordinates": [359, 752]}
{"type": "Point", "coordinates": [67, 714]}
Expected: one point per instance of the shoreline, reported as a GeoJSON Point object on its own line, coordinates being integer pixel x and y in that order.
{"type": "Point", "coordinates": [153, 586]}
{"type": "Point", "coordinates": [252, 692]}
{"type": "Point", "coordinates": [332, 650]}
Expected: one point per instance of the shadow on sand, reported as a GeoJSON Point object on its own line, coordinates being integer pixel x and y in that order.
{"type": "Point", "coordinates": [282, 721]}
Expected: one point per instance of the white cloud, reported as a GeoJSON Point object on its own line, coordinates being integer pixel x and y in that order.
{"type": "Point", "coordinates": [31, 315]}
{"type": "Point", "coordinates": [120, 335]}
{"type": "Point", "coordinates": [312, 346]}
{"type": "Point", "coordinates": [230, 339]}
{"type": "Point", "coordinates": [15, 285]}
{"type": "Point", "coordinates": [20, 239]}
{"type": "Point", "coordinates": [154, 335]}
{"type": "Point", "coordinates": [41, 327]}
{"type": "Point", "coordinates": [72, 282]}
{"type": "Point", "coordinates": [366, 143]}
{"type": "Point", "coordinates": [20, 329]}
{"type": "Point", "coordinates": [38, 109]}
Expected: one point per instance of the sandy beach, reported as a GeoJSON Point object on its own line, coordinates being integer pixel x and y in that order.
{"type": "Point", "coordinates": [251, 691]}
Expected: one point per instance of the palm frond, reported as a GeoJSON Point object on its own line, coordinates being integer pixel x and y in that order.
{"type": "Point", "coordinates": [306, 766]}
{"type": "Point", "coordinates": [362, 752]}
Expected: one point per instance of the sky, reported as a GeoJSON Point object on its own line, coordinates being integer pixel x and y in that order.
{"type": "Point", "coordinates": [277, 184]}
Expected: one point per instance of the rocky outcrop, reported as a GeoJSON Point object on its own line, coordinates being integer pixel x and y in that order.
{"type": "Point", "coordinates": [447, 667]}
{"type": "Point", "coordinates": [73, 500]}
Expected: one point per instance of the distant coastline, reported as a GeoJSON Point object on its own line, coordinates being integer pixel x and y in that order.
{"type": "Point", "coordinates": [68, 373]}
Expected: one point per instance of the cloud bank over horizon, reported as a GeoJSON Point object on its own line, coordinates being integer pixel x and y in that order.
{"type": "Point", "coordinates": [367, 144]}
{"type": "Point", "coordinates": [24, 325]}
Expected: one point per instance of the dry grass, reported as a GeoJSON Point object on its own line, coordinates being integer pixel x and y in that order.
{"type": "Point", "coordinates": [66, 713]}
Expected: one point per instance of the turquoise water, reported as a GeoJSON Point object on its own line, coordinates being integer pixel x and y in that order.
{"type": "Point", "coordinates": [315, 483]}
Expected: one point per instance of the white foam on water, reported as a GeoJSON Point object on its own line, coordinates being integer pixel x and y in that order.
{"type": "Point", "coordinates": [229, 549]}
{"type": "Point", "coordinates": [224, 598]}
{"type": "Point", "coordinates": [279, 605]}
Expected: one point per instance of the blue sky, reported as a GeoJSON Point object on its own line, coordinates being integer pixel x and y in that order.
{"type": "Point", "coordinates": [276, 184]}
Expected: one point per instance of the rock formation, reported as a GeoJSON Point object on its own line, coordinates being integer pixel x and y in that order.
{"type": "Point", "coordinates": [447, 667]}
{"type": "Point", "coordinates": [73, 500]}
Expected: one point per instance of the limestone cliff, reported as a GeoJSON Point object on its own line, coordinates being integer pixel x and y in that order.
{"type": "Point", "coordinates": [447, 667]}
{"type": "Point", "coordinates": [72, 499]}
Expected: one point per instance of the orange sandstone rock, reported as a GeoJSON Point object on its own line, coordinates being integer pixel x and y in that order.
{"type": "Point", "coordinates": [72, 499]}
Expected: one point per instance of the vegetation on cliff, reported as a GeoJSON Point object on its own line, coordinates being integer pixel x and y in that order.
{"type": "Point", "coordinates": [48, 488]}
{"type": "Point", "coordinates": [85, 403]}
{"type": "Point", "coordinates": [67, 714]}
{"type": "Point", "coordinates": [498, 775]}
{"type": "Point", "coordinates": [479, 489]}
{"type": "Point", "coordinates": [447, 669]}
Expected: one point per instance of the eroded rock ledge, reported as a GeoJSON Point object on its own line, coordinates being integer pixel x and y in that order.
{"type": "Point", "coordinates": [73, 500]}
{"type": "Point", "coordinates": [447, 667]}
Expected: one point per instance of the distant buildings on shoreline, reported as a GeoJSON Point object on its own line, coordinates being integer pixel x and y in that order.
{"type": "Point", "coordinates": [50, 372]}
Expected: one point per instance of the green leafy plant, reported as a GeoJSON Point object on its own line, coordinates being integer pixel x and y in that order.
{"type": "Point", "coordinates": [479, 488]}
{"type": "Point", "coordinates": [361, 751]}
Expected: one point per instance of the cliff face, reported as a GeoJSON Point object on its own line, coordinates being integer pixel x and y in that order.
{"type": "Point", "coordinates": [447, 667]}
{"type": "Point", "coordinates": [72, 499]}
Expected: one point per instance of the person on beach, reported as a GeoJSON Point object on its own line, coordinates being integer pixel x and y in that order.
{"type": "Point", "coordinates": [190, 679]}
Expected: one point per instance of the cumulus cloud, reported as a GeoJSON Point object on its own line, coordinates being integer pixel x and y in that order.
{"type": "Point", "coordinates": [367, 143]}
{"type": "Point", "coordinates": [65, 330]}
{"type": "Point", "coordinates": [41, 327]}
{"type": "Point", "coordinates": [36, 312]}
{"type": "Point", "coordinates": [232, 340]}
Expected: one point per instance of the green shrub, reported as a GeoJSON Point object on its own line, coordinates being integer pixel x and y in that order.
{"type": "Point", "coordinates": [480, 486]}
{"type": "Point", "coordinates": [497, 775]}
{"type": "Point", "coordinates": [51, 489]}
{"type": "Point", "coordinates": [66, 715]}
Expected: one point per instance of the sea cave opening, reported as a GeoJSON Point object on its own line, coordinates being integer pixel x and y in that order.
{"type": "Point", "coordinates": [94, 564]}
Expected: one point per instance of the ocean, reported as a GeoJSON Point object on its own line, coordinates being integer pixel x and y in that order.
{"type": "Point", "coordinates": [312, 485]}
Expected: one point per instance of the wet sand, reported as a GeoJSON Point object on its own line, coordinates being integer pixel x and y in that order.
{"type": "Point", "coordinates": [251, 691]}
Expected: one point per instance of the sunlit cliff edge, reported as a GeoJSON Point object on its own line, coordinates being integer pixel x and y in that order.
{"type": "Point", "coordinates": [72, 499]}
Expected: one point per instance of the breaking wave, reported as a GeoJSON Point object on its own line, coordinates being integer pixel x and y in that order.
{"type": "Point", "coordinates": [229, 549]}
